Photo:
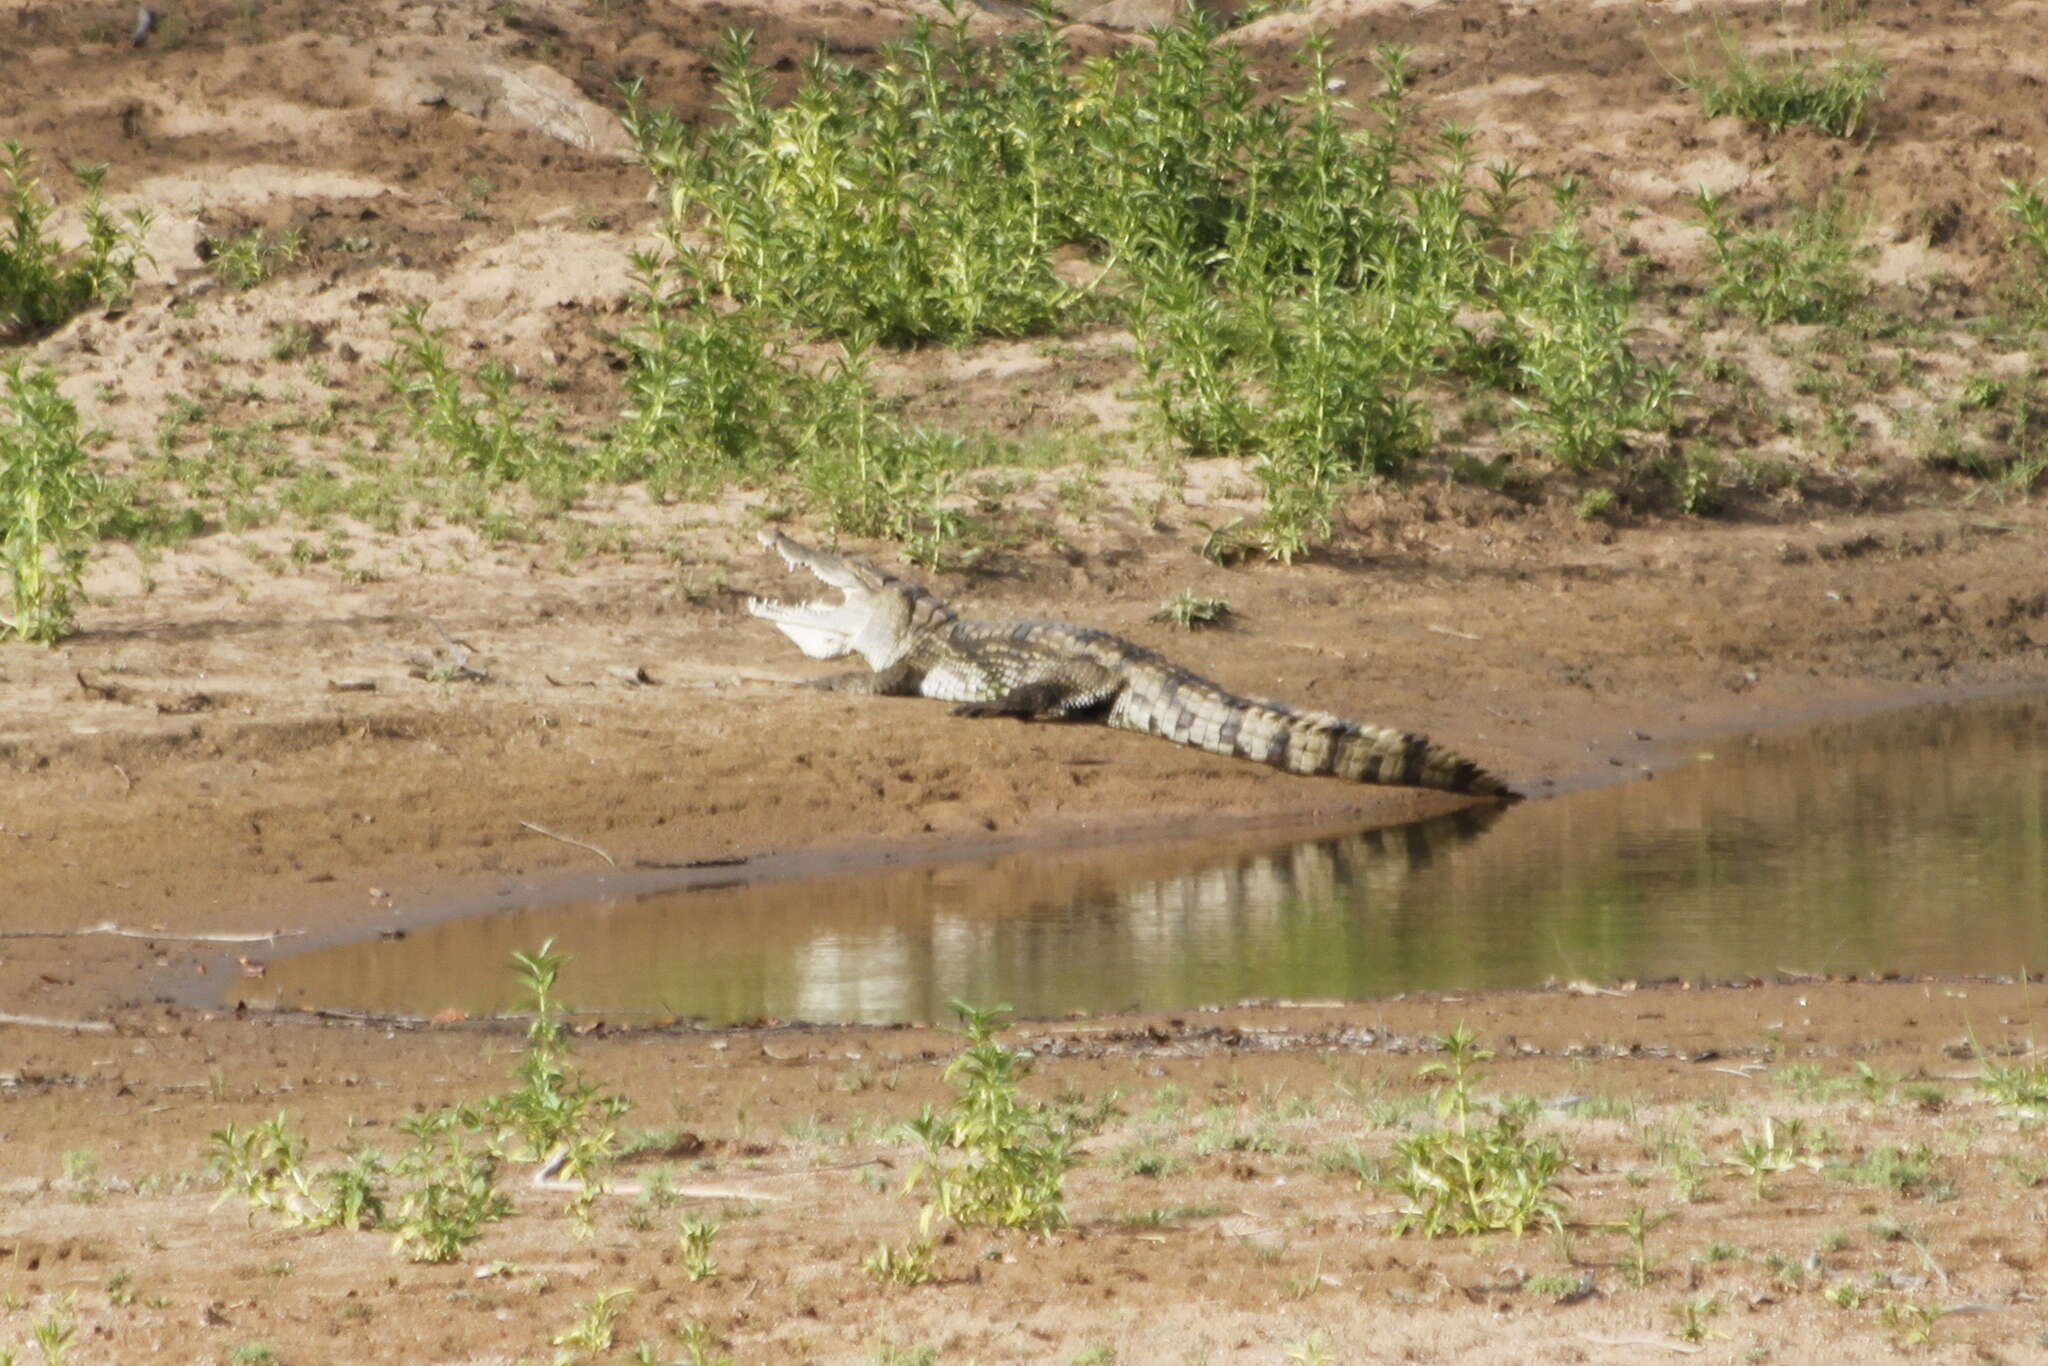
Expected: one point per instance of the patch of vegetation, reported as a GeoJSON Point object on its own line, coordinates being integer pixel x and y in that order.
{"type": "Point", "coordinates": [493, 433]}
{"type": "Point", "coordinates": [1191, 613]}
{"type": "Point", "coordinates": [712, 397]}
{"type": "Point", "coordinates": [596, 1326]}
{"type": "Point", "coordinates": [43, 283]}
{"type": "Point", "coordinates": [1995, 431]}
{"type": "Point", "coordinates": [1469, 1175]}
{"type": "Point", "coordinates": [1781, 93]}
{"type": "Point", "coordinates": [2028, 206]}
{"type": "Point", "coordinates": [2019, 1085]}
{"type": "Point", "coordinates": [992, 1156]}
{"type": "Point", "coordinates": [919, 200]}
{"type": "Point", "coordinates": [693, 1239]}
{"type": "Point", "coordinates": [556, 1115]}
{"type": "Point", "coordinates": [1693, 1315]}
{"type": "Point", "coordinates": [247, 259]}
{"type": "Point", "coordinates": [1775, 1147]}
{"type": "Point", "coordinates": [49, 503]}
{"type": "Point", "coordinates": [1801, 273]}
{"type": "Point", "coordinates": [1905, 1171]}
{"type": "Point", "coordinates": [1295, 282]}
{"type": "Point", "coordinates": [1637, 1226]}
{"type": "Point", "coordinates": [910, 1264]}
{"type": "Point", "coordinates": [446, 1185]}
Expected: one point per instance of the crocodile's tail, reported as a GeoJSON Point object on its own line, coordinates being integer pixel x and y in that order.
{"type": "Point", "coordinates": [1199, 713]}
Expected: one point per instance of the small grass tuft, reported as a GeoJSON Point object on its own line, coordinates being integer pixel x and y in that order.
{"type": "Point", "coordinates": [1801, 273]}
{"type": "Point", "coordinates": [1780, 94]}
{"type": "Point", "coordinates": [247, 259]}
{"type": "Point", "coordinates": [1191, 613]}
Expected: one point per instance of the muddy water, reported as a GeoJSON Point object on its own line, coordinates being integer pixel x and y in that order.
{"type": "Point", "coordinates": [1915, 841]}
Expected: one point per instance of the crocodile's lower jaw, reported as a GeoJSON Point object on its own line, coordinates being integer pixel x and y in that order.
{"type": "Point", "coordinates": [821, 630]}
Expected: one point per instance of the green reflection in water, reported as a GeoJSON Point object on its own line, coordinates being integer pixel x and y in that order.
{"type": "Point", "coordinates": [1911, 840]}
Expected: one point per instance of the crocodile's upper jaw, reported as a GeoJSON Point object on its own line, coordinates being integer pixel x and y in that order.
{"type": "Point", "coordinates": [874, 619]}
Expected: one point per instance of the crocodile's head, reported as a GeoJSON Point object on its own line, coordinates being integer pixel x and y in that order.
{"type": "Point", "coordinates": [878, 617]}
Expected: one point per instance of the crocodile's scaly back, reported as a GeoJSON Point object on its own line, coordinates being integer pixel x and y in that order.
{"type": "Point", "coordinates": [916, 645]}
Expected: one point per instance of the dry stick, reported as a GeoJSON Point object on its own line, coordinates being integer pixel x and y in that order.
{"type": "Point", "coordinates": [543, 830]}
{"type": "Point", "coordinates": [1601, 1340]}
{"type": "Point", "coordinates": [109, 927]}
{"type": "Point", "coordinates": [47, 1022]}
{"type": "Point", "coordinates": [1447, 631]}
{"type": "Point", "coordinates": [1926, 1257]}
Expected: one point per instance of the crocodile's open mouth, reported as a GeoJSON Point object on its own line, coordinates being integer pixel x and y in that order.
{"type": "Point", "coordinates": [821, 629]}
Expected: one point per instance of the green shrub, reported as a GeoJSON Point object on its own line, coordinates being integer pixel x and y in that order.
{"type": "Point", "coordinates": [2028, 206]}
{"type": "Point", "coordinates": [1295, 282]}
{"type": "Point", "coordinates": [1801, 273]}
{"type": "Point", "coordinates": [43, 283]}
{"type": "Point", "coordinates": [48, 503]}
{"type": "Point", "coordinates": [916, 201]}
{"type": "Point", "coordinates": [494, 433]}
{"type": "Point", "coordinates": [1566, 328]}
{"type": "Point", "coordinates": [1469, 1175]}
{"type": "Point", "coordinates": [992, 1157]}
{"type": "Point", "coordinates": [247, 259]}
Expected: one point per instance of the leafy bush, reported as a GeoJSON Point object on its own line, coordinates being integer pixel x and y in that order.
{"type": "Point", "coordinates": [1801, 273]}
{"type": "Point", "coordinates": [42, 283]}
{"type": "Point", "coordinates": [493, 434]}
{"type": "Point", "coordinates": [446, 1185]}
{"type": "Point", "coordinates": [992, 1157]}
{"type": "Point", "coordinates": [1470, 1176]}
{"type": "Point", "coordinates": [48, 503]}
{"type": "Point", "coordinates": [1566, 325]}
{"type": "Point", "coordinates": [916, 201]}
{"type": "Point", "coordinates": [712, 396]}
{"type": "Point", "coordinates": [2028, 205]}
{"type": "Point", "coordinates": [247, 259]}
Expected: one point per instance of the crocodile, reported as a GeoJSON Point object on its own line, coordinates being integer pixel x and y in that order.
{"type": "Point", "coordinates": [916, 645]}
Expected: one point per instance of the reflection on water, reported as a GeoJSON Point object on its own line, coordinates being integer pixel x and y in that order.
{"type": "Point", "coordinates": [1912, 841]}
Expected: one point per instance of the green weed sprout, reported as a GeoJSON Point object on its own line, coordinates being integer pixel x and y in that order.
{"type": "Point", "coordinates": [2028, 206]}
{"type": "Point", "coordinates": [48, 503]}
{"type": "Point", "coordinates": [1471, 1176]}
{"type": "Point", "coordinates": [992, 1157]}
{"type": "Point", "coordinates": [556, 1115]}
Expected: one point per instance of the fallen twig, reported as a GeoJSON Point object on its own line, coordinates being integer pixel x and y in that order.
{"type": "Point", "coordinates": [1447, 631]}
{"type": "Point", "coordinates": [49, 1022]}
{"type": "Point", "coordinates": [109, 927]}
{"type": "Point", "coordinates": [580, 844]}
{"type": "Point", "coordinates": [1662, 1344]}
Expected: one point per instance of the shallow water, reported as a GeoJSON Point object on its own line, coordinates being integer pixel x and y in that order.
{"type": "Point", "coordinates": [1915, 841]}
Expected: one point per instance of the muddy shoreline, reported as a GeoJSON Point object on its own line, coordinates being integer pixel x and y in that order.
{"type": "Point", "coordinates": [286, 806]}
